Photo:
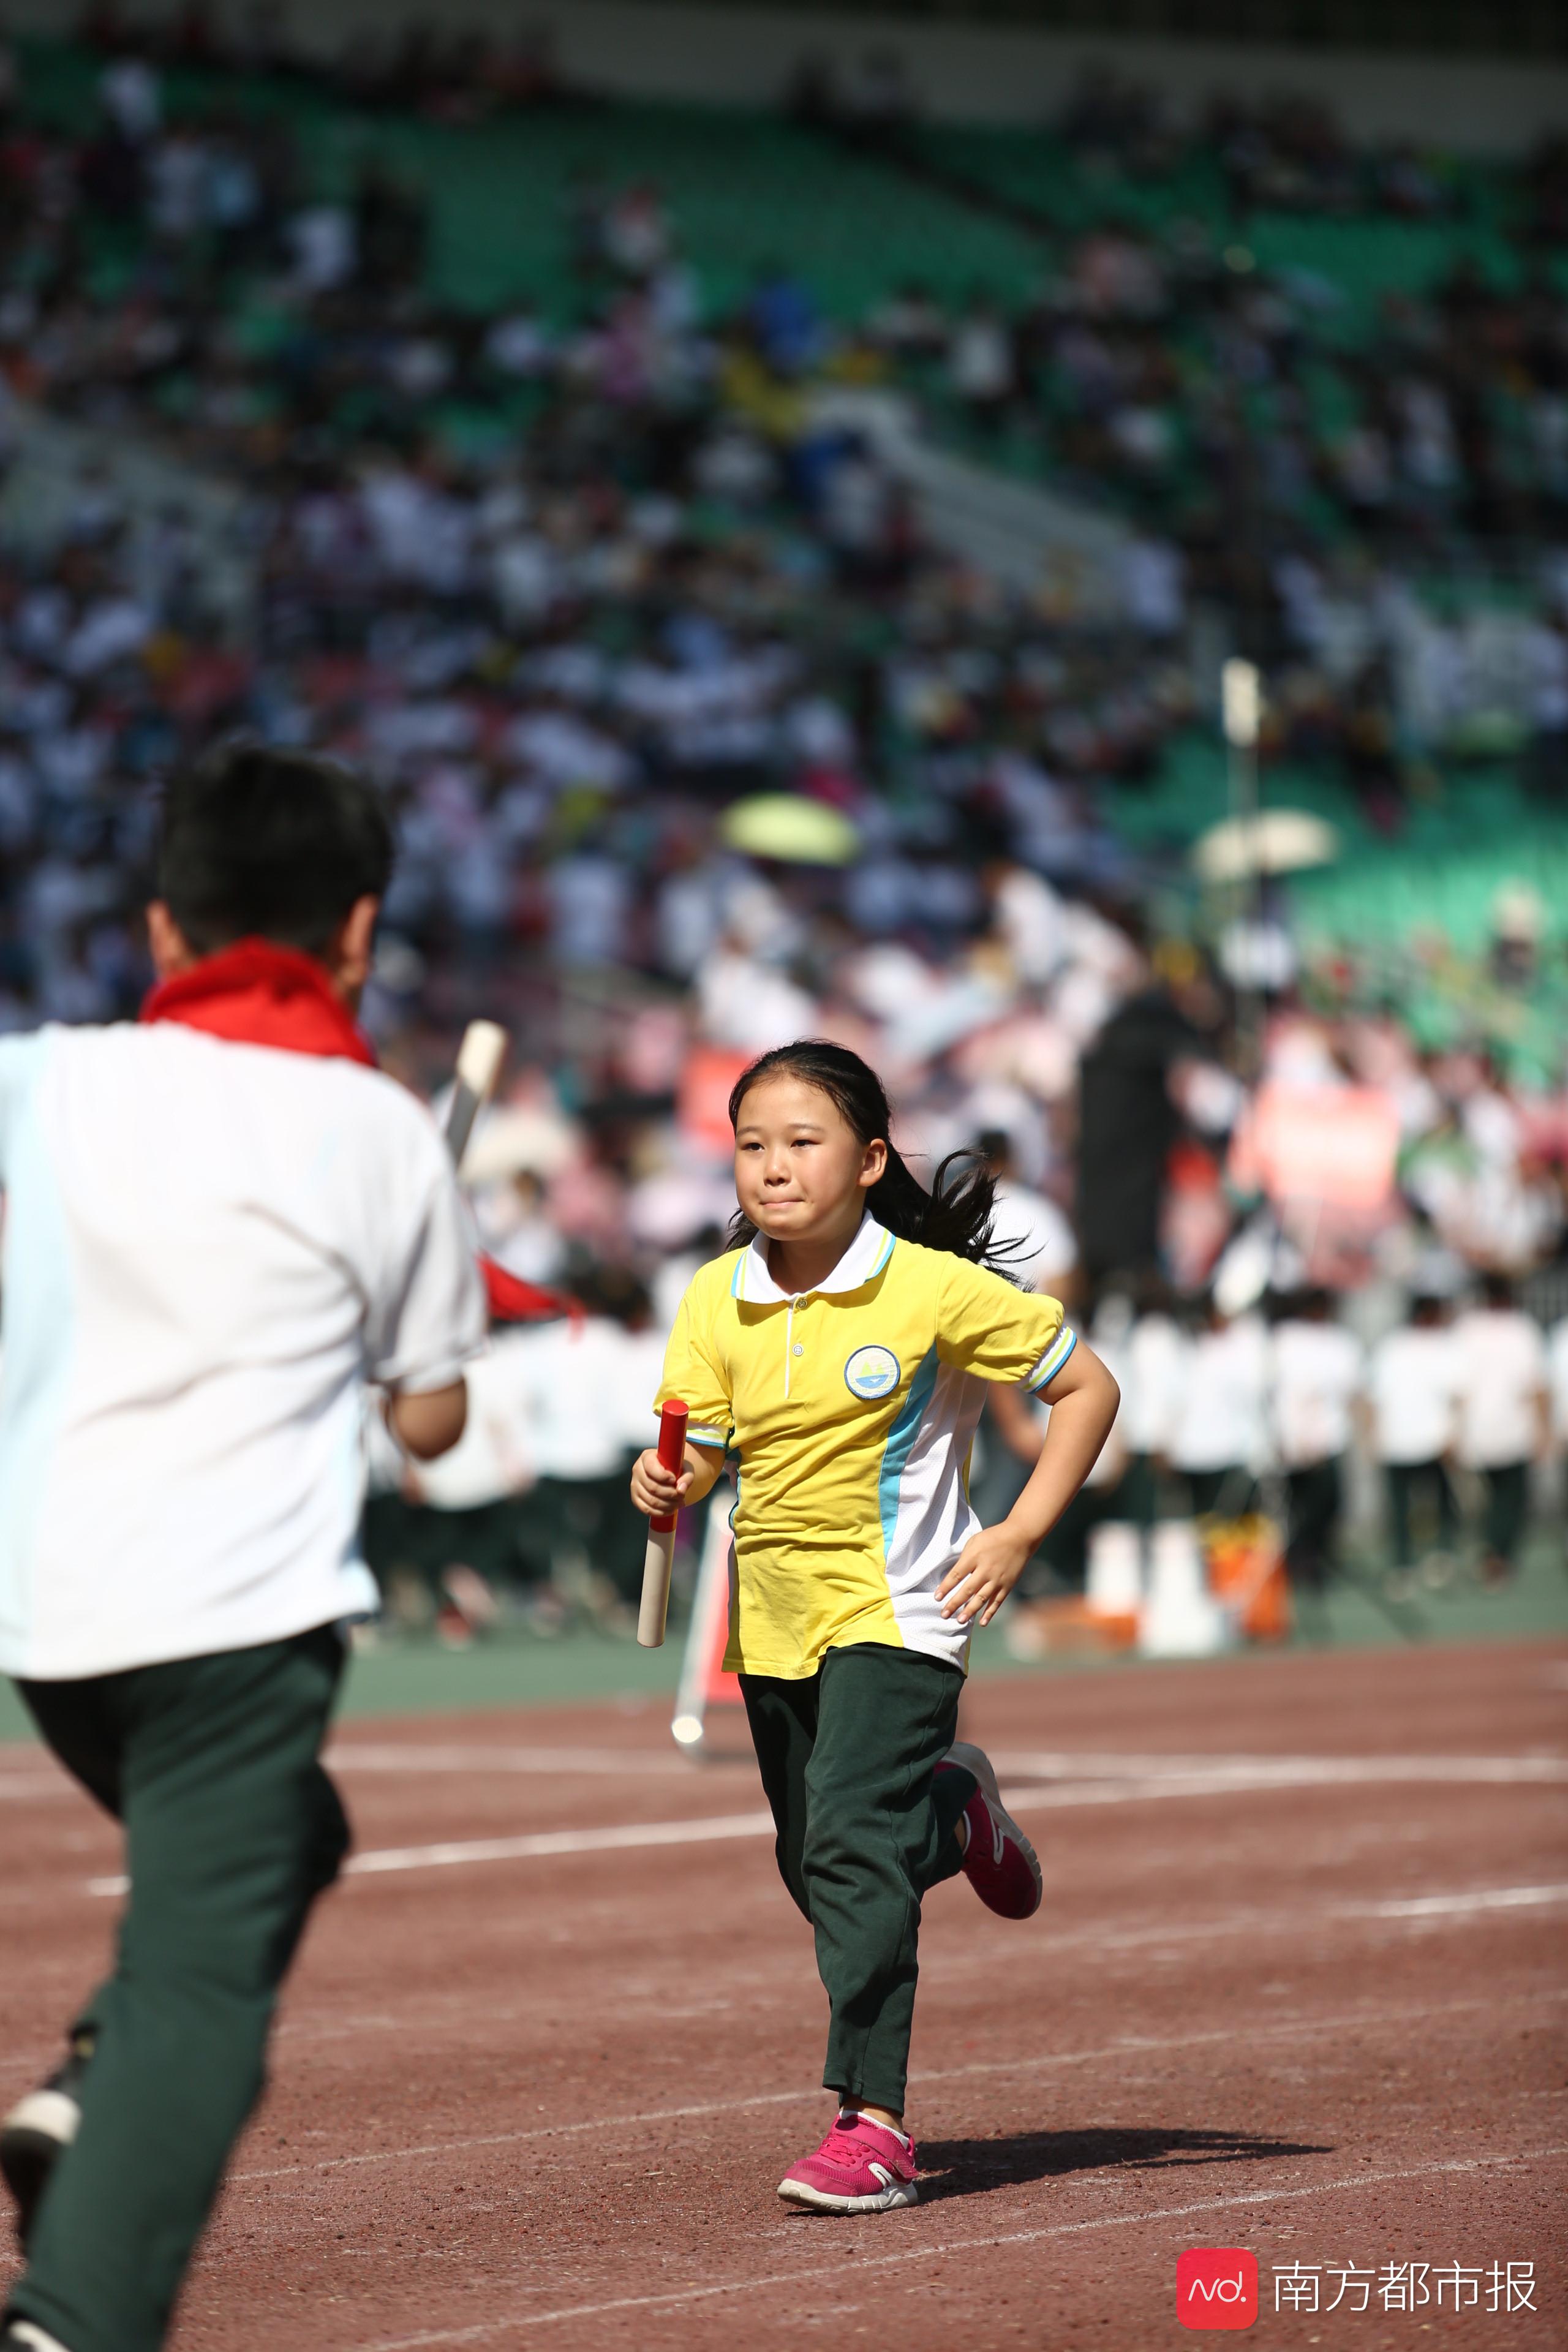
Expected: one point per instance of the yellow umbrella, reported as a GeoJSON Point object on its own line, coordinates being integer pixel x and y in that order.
{"type": "Point", "coordinates": [786, 826]}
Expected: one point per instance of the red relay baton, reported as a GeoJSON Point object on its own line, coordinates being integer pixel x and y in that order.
{"type": "Point", "coordinates": [661, 1533]}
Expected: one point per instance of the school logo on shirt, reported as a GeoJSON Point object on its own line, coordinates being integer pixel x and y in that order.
{"type": "Point", "coordinates": [871, 1373]}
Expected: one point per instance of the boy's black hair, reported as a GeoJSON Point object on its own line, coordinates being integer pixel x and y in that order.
{"type": "Point", "coordinates": [258, 843]}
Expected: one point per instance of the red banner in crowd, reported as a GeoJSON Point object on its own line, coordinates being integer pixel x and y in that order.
{"type": "Point", "coordinates": [1337, 1145]}
{"type": "Point", "coordinates": [703, 1103]}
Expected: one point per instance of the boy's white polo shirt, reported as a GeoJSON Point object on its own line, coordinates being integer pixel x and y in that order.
{"type": "Point", "coordinates": [209, 1247]}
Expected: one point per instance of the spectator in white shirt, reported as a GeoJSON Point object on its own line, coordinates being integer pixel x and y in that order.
{"type": "Point", "coordinates": [1413, 1387]}
{"type": "Point", "coordinates": [1030, 1234]}
{"type": "Point", "coordinates": [1150, 1398]}
{"type": "Point", "coordinates": [442, 1536]}
{"type": "Point", "coordinates": [1504, 1420]}
{"type": "Point", "coordinates": [1557, 1356]}
{"type": "Point", "coordinates": [1315, 1373]}
{"type": "Point", "coordinates": [1218, 1435]}
{"type": "Point", "coordinates": [590, 1408]}
{"type": "Point", "coordinates": [1109, 1491]}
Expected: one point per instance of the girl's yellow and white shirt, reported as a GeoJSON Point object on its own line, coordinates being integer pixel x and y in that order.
{"type": "Point", "coordinates": [852, 1408]}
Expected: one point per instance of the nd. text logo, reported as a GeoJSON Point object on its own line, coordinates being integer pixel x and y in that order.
{"type": "Point", "coordinates": [1216, 2286]}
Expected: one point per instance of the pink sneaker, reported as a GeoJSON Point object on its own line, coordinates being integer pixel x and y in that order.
{"type": "Point", "coordinates": [999, 1862]}
{"type": "Point", "coordinates": [861, 2167]}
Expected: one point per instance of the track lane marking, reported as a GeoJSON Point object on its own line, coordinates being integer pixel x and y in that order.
{"type": "Point", "coordinates": [630, 1836]}
{"type": "Point", "coordinates": [543, 1843]}
{"type": "Point", "coordinates": [1121, 1774]}
{"type": "Point", "coordinates": [1289, 1772]}
{"type": "Point", "coordinates": [910, 2256]}
{"type": "Point", "coordinates": [407, 1756]}
{"type": "Point", "coordinates": [1128, 2046]}
{"type": "Point", "coordinates": [1175, 1778]}
{"type": "Point", "coordinates": [27, 1788]}
{"type": "Point", "coordinates": [1485, 1898]}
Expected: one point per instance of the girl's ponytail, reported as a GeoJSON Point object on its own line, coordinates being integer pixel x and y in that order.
{"type": "Point", "coordinates": [954, 1215]}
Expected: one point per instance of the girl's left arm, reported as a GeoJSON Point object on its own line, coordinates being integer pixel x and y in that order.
{"type": "Point", "coordinates": [1083, 1398]}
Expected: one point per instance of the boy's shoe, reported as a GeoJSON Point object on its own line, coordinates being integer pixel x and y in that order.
{"type": "Point", "coordinates": [26, 2336]}
{"type": "Point", "coordinates": [35, 2134]}
{"type": "Point", "coordinates": [861, 2167]}
{"type": "Point", "coordinates": [998, 1861]}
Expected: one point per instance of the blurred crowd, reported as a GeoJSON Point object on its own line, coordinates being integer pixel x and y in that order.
{"type": "Point", "coordinates": [409, 65]}
{"type": "Point", "coordinates": [696, 741]}
{"type": "Point", "coordinates": [1284, 151]}
{"type": "Point", "coordinates": [1240, 409]}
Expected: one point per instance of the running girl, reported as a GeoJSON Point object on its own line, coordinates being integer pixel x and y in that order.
{"type": "Point", "coordinates": [839, 1349]}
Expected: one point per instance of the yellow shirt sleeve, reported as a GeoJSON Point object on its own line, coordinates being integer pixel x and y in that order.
{"type": "Point", "coordinates": [693, 1373]}
{"type": "Point", "coordinates": [990, 1328]}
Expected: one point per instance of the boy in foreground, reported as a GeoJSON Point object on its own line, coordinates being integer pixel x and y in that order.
{"type": "Point", "coordinates": [220, 1222]}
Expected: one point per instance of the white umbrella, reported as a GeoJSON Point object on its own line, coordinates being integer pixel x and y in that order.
{"type": "Point", "coordinates": [510, 1138]}
{"type": "Point", "coordinates": [1273, 841]}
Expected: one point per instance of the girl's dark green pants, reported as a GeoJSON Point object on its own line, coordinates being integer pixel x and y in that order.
{"type": "Point", "coordinates": [847, 1758]}
{"type": "Point", "coordinates": [232, 1829]}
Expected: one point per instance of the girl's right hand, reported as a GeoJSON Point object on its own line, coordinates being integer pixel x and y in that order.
{"type": "Point", "coordinates": [656, 1491]}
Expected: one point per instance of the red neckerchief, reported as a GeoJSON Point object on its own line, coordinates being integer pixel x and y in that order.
{"type": "Point", "coordinates": [257, 994]}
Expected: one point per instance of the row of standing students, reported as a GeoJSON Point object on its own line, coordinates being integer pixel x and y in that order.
{"type": "Point", "coordinates": [1449, 1402]}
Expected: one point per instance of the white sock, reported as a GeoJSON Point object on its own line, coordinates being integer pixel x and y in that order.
{"type": "Point", "coordinates": [876, 2122]}
{"type": "Point", "coordinates": [28, 2332]}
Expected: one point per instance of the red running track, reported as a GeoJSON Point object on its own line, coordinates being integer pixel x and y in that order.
{"type": "Point", "coordinates": [1298, 1987]}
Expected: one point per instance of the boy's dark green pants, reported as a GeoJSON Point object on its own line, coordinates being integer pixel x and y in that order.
{"type": "Point", "coordinates": [231, 1829]}
{"type": "Point", "coordinates": [847, 1759]}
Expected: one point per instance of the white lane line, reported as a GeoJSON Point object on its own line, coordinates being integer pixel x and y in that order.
{"type": "Point", "coordinates": [631, 1836]}
{"type": "Point", "coordinates": [1064, 1764]}
{"type": "Point", "coordinates": [26, 1788]}
{"type": "Point", "coordinates": [638, 1836]}
{"type": "Point", "coordinates": [1283, 1771]}
{"type": "Point", "coordinates": [1131, 2045]}
{"type": "Point", "coordinates": [909, 2256]}
{"type": "Point", "coordinates": [1056, 1764]}
{"type": "Point", "coordinates": [546, 1842]}
{"type": "Point", "coordinates": [1485, 1899]}
{"type": "Point", "coordinates": [407, 1756]}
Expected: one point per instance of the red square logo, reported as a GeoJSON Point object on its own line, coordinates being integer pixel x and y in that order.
{"type": "Point", "coordinates": [1216, 2286]}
